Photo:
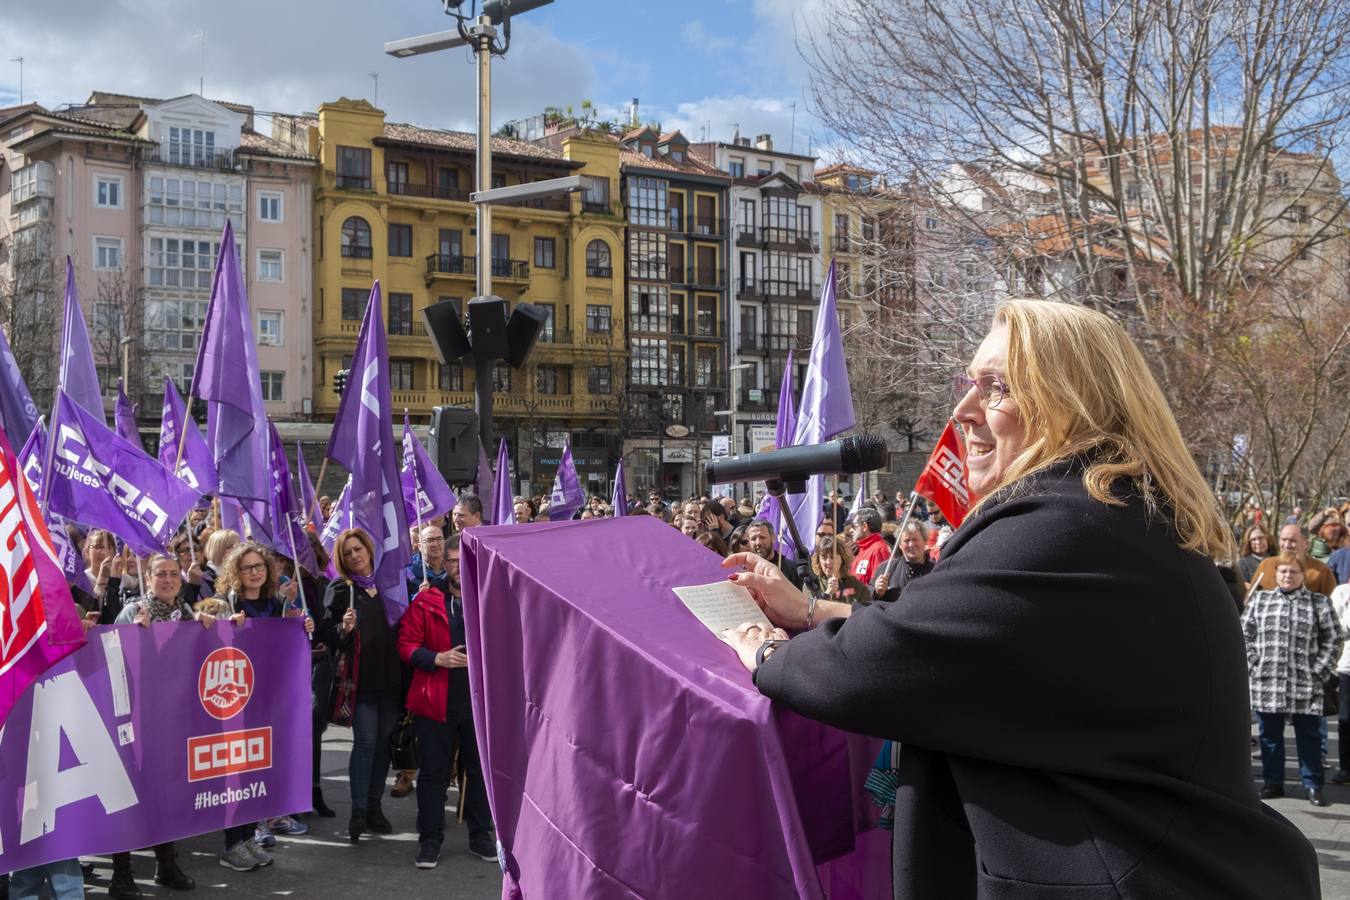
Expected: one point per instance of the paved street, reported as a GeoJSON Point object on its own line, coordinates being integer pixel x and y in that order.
{"type": "Point", "coordinates": [324, 863]}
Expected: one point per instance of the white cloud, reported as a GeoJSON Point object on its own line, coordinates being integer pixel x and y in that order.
{"type": "Point", "coordinates": [696, 35]}
{"type": "Point", "coordinates": [276, 56]}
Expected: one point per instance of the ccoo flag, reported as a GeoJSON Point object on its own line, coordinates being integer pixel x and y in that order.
{"type": "Point", "coordinates": [101, 480]}
{"type": "Point", "coordinates": [567, 497]}
{"type": "Point", "coordinates": [425, 493]}
{"type": "Point", "coordinates": [943, 479]}
{"type": "Point", "coordinates": [196, 468]}
{"type": "Point", "coordinates": [503, 504]}
{"type": "Point", "coordinates": [363, 442]}
{"type": "Point", "coordinates": [39, 625]}
{"type": "Point", "coordinates": [226, 377]}
{"type": "Point", "coordinates": [67, 553]}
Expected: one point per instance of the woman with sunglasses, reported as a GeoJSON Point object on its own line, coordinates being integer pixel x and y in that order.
{"type": "Point", "coordinates": [1072, 723]}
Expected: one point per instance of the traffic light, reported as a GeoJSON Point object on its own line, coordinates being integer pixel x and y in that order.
{"type": "Point", "coordinates": [340, 381]}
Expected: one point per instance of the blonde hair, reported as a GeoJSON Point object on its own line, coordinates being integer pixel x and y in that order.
{"type": "Point", "coordinates": [338, 562]}
{"type": "Point", "coordinates": [1083, 389]}
{"type": "Point", "coordinates": [220, 542]}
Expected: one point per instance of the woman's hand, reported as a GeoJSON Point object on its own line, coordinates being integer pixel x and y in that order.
{"type": "Point", "coordinates": [746, 639]}
{"type": "Point", "coordinates": [142, 617]}
{"type": "Point", "coordinates": [349, 621]}
{"type": "Point", "coordinates": [118, 566]}
{"type": "Point", "coordinates": [783, 603]}
{"type": "Point", "coordinates": [297, 613]}
{"type": "Point", "coordinates": [89, 620]}
{"type": "Point", "coordinates": [238, 619]}
{"type": "Point", "coordinates": [206, 619]}
{"type": "Point", "coordinates": [881, 584]}
{"type": "Point", "coordinates": [194, 573]}
{"type": "Point", "coordinates": [832, 586]}
{"type": "Point", "coordinates": [288, 591]}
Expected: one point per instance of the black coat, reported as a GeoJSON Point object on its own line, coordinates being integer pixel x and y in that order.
{"type": "Point", "coordinates": [1070, 691]}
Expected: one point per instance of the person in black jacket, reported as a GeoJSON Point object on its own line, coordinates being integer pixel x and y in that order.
{"type": "Point", "coordinates": [1072, 723]}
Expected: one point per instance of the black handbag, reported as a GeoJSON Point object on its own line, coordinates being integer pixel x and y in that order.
{"type": "Point", "coordinates": [404, 752]}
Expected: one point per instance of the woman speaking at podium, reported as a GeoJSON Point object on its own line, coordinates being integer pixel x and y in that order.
{"type": "Point", "coordinates": [1069, 684]}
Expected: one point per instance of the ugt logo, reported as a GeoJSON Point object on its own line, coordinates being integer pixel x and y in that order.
{"type": "Point", "coordinates": [225, 682]}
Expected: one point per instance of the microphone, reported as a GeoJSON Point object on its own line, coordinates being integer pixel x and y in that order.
{"type": "Point", "coordinates": [859, 453]}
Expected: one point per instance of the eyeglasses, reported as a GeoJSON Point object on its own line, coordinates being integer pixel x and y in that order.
{"type": "Point", "coordinates": [991, 388]}
{"type": "Point", "coordinates": [253, 568]}
{"type": "Point", "coordinates": [439, 540]}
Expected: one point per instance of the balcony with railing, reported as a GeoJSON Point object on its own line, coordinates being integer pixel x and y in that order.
{"type": "Point", "coordinates": [426, 191]}
{"type": "Point", "coordinates": [750, 342]}
{"type": "Point", "coordinates": [413, 328]}
{"type": "Point", "coordinates": [700, 226]}
{"type": "Point", "coordinates": [747, 286]}
{"type": "Point", "coordinates": [557, 337]}
{"type": "Point", "coordinates": [698, 277]}
{"type": "Point", "coordinates": [778, 238]}
{"type": "Point", "coordinates": [510, 269]}
{"type": "Point", "coordinates": [747, 234]}
{"type": "Point", "coordinates": [189, 157]}
{"type": "Point", "coordinates": [348, 180]}
{"type": "Point", "coordinates": [599, 272]}
{"type": "Point", "coordinates": [452, 264]}
{"type": "Point", "coordinates": [356, 251]}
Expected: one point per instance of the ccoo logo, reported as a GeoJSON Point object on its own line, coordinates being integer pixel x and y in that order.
{"type": "Point", "coordinates": [225, 682]}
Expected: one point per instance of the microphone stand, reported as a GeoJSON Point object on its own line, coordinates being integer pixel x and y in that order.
{"type": "Point", "coordinates": [778, 488]}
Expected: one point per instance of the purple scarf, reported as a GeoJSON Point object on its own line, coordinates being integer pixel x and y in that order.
{"type": "Point", "coordinates": [365, 582]}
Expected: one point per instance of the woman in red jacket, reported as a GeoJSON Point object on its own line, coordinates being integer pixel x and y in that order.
{"type": "Point", "coordinates": [431, 640]}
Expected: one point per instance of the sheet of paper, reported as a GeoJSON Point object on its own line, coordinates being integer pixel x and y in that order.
{"type": "Point", "coordinates": [721, 605]}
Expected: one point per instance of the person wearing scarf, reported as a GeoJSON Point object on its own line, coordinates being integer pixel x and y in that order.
{"type": "Point", "coordinates": [355, 623]}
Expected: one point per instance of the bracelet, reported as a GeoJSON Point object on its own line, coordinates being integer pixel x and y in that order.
{"type": "Point", "coordinates": [764, 650]}
{"type": "Point", "coordinates": [810, 611]}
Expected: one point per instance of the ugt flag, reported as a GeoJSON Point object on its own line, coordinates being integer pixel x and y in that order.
{"type": "Point", "coordinates": [99, 479]}
{"type": "Point", "coordinates": [38, 623]}
{"type": "Point", "coordinates": [567, 497]}
{"type": "Point", "coordinates": [943, 479]}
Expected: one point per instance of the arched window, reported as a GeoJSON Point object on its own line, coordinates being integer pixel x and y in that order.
{"type": "Point", "coordinates": [356, 238]}
{"type": "Point", "coordinates": [597, 259]}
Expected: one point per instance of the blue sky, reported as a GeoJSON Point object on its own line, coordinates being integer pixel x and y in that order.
{"type": "Point", "coordinates": [693, 65]}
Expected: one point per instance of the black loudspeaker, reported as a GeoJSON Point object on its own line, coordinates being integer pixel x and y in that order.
{"type": "Point", "coordinates": [447, 330]}
{"type": "Point", "coordinates": [454, 443]}
{"type": "Point", "coordinates": [487, 325]}
{"type": "Point", "coordinates": [522, 330]}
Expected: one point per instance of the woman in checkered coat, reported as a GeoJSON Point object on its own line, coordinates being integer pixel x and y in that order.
{"type": "Point", "coordinates": [1293, 643]}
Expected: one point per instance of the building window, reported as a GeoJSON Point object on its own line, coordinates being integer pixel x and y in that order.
{"type": "Point", "coordinates": [547, 334]}
{"type": "Point", "coordinates": [174, 324]}
{"type": "Point", "coordinates": [599, 381]}
{"type": "Point", "coordinates": [543, 252]}
{"type": "Point", "coordinates": [676, 367]}
{"type": "Point", "coordinates": [108, 254]}
{"type": "Point", "coordinates": [396, 174]}
{"type": "Point", "coordinates": [34, 180]}
{"type": "Point", "coordinates": [450, 378]}
{"type": "Point", "coordinates": [736, 167]}
{"type": "Point", "coordinates": [598, 260]}
{"type": "Point", "coordinates": [649, 308]}
{"type": "Point", "coordinates": [647, 255]}
{"type": "Point", "coordinates": [353, 167]}
{"type": "Point", "coordinates": [400, 240]}
{"type": "Point", "coordinates": [597, 318]}
{"type": "Point", "coordinates": [763, 169]}
{"type": "Point", "coordinates": [195, 204]}
{"type": "Point", "coordinates": [269, 265]}
{"type": "Point", "coordinates": [269, 327]}
{"type": "Point", "coordinates": [553, 380]}
{"type": "Point", "coordinates": [595, 193]}
{"type": "Point", "coordinates": [269, 206]}
{"type": "Point", "coordinates": [401, 374]}
{"type": "Point", "coordinates": [354, 302]}
{"type": "Point", "coordinates": [647, 202]}
{"type": "Point", "coordinates": [705, 321]}
{"type": "Point", "coordinates": [108, 191]}
{"type": "Point", "coordinates": [704, 365]}
{"type": "Point", "coordinates": [1298, 213]}
{"type": "Point", "coordinates": [273, 386]}
{"type": "Point", "coordinates": [400, 313]}
{"type": "Point", "coordinates": [178, 262]}
{"type": "Point", "coordinates": [649, 361]}
{"type": "Point", "coordinates": [356, 238]}
{"type": "Point", "coordinates": [192, 147]}
{"type": "Point", "coordinates": [501, 378]}
{"type": "Point", "coordinates": [794, 172]}
{"type": "Point", "coordinates": [869, 228]}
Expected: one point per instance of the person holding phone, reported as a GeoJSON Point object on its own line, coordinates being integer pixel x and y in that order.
{"type": "Point", "coordinates": [431, 640]}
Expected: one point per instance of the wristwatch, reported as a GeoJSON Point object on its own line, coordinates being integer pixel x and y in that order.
{"type": "Point", "coordinates": [764, 650]}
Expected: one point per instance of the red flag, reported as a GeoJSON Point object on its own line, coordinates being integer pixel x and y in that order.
{"type": "Point", "coordinates": [39, 625]}
{"type": "Point", "coordinates": [943, 480]}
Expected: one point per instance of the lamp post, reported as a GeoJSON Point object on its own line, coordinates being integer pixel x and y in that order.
{"type": "Point", "coordinates": [731, 413]}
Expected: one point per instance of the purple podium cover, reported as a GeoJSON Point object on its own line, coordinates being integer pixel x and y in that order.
{"type": "Point", "coordinates": [150, 734]}
{"type": "Point", "coordinates": [626, 751]}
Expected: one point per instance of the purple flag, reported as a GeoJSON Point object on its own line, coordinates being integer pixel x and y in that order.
{"type": "Point", "coordinates": [567, 497]}
{"type": "Point", "coordinates": [288, 535]}
{"type": "Point", "coordinates": [425, 493]}
{"type": "Point", "coordinates": [483, 484]}
{"type": "Point", "coordinates": [196, 467]}
{"type": "Point", "coordinates": [124, 417]}
{"type": "Point", "coordinates": [103, 481]}
{"type": "Point", "coordinates": [769, 508]}
{"type": "Point", "coordinates": [18, 412]}
{"type": "Point", "coordinates": [226, 377]}
{"type": "Point", "coordinates": [827, 403]}
{"type": "Point", "coordinates": [339, 519]}
{"type": "Point", "coordinates": [309, 504]}
{"type": "Point", "coordinates": [503, 505]}
{"type": "Point", "coordinates": [78, 376]}
{"type": "Point", "coordinates": [30, 462]}
{"type": "Point", "coordinates": [363, 442]}
{"type": "Point", "coordinates": [620, 499]}
{"type": "Point", "coordinates": [858, 497]}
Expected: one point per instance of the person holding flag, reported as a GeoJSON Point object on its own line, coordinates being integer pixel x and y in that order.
{"type": "Point", "coordinates": [567, 496]}
{"type": "Point", "coordinates": [1043, 686]}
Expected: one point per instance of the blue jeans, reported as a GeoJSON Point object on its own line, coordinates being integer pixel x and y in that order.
{"type": "Point", "coordinates": [65, 877]}
{"type": "Point", "coordinates": [373, 721]}
{"type": "Point", "coordinates": [1307, 741]}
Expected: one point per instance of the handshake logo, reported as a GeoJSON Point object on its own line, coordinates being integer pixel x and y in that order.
{"type": "Point", "coordinates": [75, 461]}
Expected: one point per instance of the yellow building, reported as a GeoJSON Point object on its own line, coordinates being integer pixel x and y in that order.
{"type": "Point", "coordinates": [865, 232]}
{"type": "Point", "coordinates": [392, 203]}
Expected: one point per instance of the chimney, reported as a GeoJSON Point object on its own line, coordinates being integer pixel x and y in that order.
{"type": "Point", "coordinates": [764, 142]}
{"type": "Point", "coordinates": [633, 114]}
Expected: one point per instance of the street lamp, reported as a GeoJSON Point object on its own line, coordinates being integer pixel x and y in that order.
{"type": "Point", "coordinates": [498, 339]}
{"type": "Point", "coordinates": [731, 413]}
